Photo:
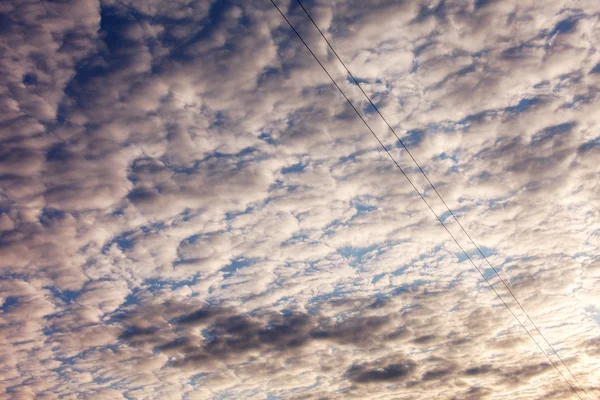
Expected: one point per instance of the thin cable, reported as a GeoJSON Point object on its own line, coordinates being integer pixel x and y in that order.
{"type": "Point", "coordinates": [420, 195]}
{"type": "Point", "coordinates": [438, 194]}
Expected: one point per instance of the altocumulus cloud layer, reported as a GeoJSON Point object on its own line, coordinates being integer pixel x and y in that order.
{"type": "Point", "coordinates": [189, 209]}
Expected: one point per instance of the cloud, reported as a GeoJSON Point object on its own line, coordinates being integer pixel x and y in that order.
{"type": "Point", "coordinates": [375, 373]}
{"type": "Point", "coordinates": [189, 209]}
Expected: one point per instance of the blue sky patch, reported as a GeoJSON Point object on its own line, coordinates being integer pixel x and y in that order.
{"type": "Point", "coordinates": [524, 105]}
{"type": "Point", "coordinates": [50, 215]}
{"type": "Point", "coordinates": [474, 254]}
{"type": "Point", "coordinates": [58, 152]}
{"type": "Point", "coordinates": [482, 3]}
{"type": "Point", "coordinates": [408, 287]}
{"type": "Point", "coordinates": [355, 254]}
{"type": "Point", "coordinates": [267, 137]}
{"type": "Point", "coordinates": [155, 284]}
{"type": "Point", "coordinates": [336, 293]}
{"type": "Point", "coordinates": [378, 277]}
{"type": "Point", "coordinates": [402, 269]}
{"type": "Point", "coordinates": [552, 131]}
{"type": "Point", "coordinates": [194, 378]}
{"type": "Point", "coordinates": [369, 109]}
{"type": "Point", "coordinates": [65, 296]}
{"type": "Point", "coordinates": [595, 143]}
{"type": "Point", "coordinates": [594, 313]}
{"type": "Point", "coordinates": [412, 138]}
{"type": "Point", "coordinates": [294, 169]}
{"type": "Point", "coordinates": [124, 241]}
{"type": "Point", "coordinates": [363, 208]}
{"type": "Point", "coordinates": [9, 302]}
{"type": "Point", "coordinates": [30, 79]}
{"type": "Point", "coordinates": [445, 215]}
{"type": "Point", "coordinates": [445, 156]}
{"type": "Point", "coordinates": [131, 299]}
{"type": "Point", "coordinates": [269, 74]}
{"type": "Point", "coordinates": [359, 80]}
{"type": "Point", "coordinates": [236, 264]}
{"type": "Point", "coordinates": [564, 26]}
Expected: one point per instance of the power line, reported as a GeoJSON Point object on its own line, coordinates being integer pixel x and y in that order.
{"type": "Point", "coordinates": [410, 181]}
{"type": "Point", "coordinates": [438, 194]}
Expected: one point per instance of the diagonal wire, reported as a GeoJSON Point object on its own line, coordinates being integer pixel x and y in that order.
{"type": "Point", "coordinates": [439, 195]}
{"type": "Point", "coordinates": [419, 193]}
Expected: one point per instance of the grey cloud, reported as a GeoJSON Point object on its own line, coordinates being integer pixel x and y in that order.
{"type": "Point", "coordinates": [351, 330]}
{"type": "Point", "coordinates": [204, 337]}
{"type": "Point", "coordinates": [436, 374]}
{"type": "Point", "coordinates": [483, 369]}
{"type": "Point", "coordinates": [381, 371]}
{"type": "Point", "coordinates": [227, 335]}
{"type": "Point", "coordinates": [476, 392]}
{"type": "Point", "coordinates": [426, 339]}
{"type": "Point", "coordinates": [527, 371]}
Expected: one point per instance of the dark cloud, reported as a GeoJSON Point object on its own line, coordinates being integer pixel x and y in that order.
{"type": "Point", "coordinates": [204, 337]}
{"type": "Point", "coordinates": [436, 374]}
{"type": "Point", "coordinates": [476, 392]}
{"type": "Point", "coordinates": [381, 371]}
{"type": "Point", "coordinates": [227, 335]}
{"type": "Point", "coordinates": [352, 330]}
{"type": "Point", "coordinates": [526, 372]}
{"type": "Point", "coordinates": [479, 370]}
{"type": "Point", "coordinates": [425, 340]}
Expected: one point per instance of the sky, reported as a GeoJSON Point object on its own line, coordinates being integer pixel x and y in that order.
{"type": "Point", "coordinates": [189, 209]}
